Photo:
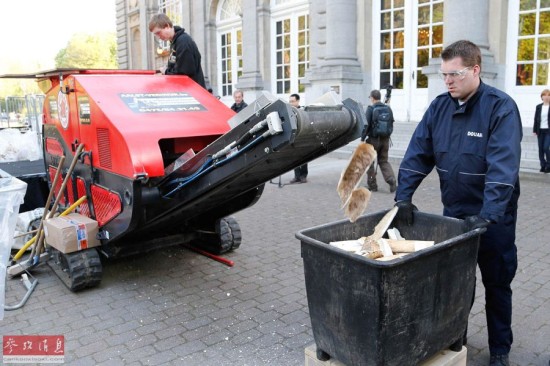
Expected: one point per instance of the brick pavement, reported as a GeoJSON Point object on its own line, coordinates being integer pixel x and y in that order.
{"type": "Point", "coordinates": [175, 307]}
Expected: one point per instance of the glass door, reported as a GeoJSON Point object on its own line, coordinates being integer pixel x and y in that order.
{"type": "Point", "coordinates": [427, 43]}
{"type": "Point", "coordinates": [411, 32]}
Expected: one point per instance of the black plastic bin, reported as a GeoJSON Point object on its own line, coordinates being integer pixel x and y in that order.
{"type": "Point", "coordinates": [34, 174]}
{"type": "Point", "coordinates": [399, 312]}
{"type": "Point", "coordinates": [37, 191]}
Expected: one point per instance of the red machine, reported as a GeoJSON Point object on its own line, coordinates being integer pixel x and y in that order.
{"type": "Point", "coordinates": [161, 164]}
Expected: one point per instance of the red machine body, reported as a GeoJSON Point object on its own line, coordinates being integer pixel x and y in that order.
{"type": "Point", "coordinates": [162, 161]}
{"type": "Point", "coordinates": [132, 114]}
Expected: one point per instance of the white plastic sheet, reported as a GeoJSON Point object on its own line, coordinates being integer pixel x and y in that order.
{"type": "Point", "coordinates": [12, 194]}
{"type": "Point", "coordinates": [17, 146]}
{"type": "Point", "coordinates": [24, 224]}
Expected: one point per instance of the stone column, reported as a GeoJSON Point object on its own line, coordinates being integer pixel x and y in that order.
{"type": "Point", "coordinates": [317, 44]}
{"type": "Point", "coordinates": [195, 22]}
{"type": "Point", "coordinates": [341, 33]}
{"type": "Point", "coordinates": [339, 68]}
{"type": "Point", "coordinates": [147, 9]}
{"type": "Point", "coordinates": [209, 56]}
{"type": "Point", "coordinates": [317, 32]}
{"type": "Point", "coordinates": [251, 80]}
{"type": "Point", "coordinates": [459, 23]}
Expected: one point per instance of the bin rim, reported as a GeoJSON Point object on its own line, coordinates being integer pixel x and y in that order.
{"type": "Point", "coordinates": [32, 175]}
{"type": "Point", "coordinates": [15, 184]}
{"type": "Point", "coordinates": [437, 247]}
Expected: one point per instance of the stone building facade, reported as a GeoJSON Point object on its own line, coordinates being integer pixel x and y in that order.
{"type": "Point", "coordinates": [349, 46]}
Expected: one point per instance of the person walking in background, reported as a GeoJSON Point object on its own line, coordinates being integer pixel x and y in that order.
{"type": "Point", "coordinates": [377, 132]}
{"type": "Point", "coordinates": [541, 128]}
{"type": "Point", "coordinates": [300, 173]}
{"type": "Point", "coordinates": [472, 136]}
{"type": "Point", "coordinates": [239, 104]}
{"type": "Point", "coordinates": [185, 58]}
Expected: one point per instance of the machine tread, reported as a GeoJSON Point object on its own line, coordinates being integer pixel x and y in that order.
{"type": "Point", "coordinates": [78, 270]}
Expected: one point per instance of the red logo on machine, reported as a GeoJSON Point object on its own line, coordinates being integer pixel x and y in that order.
{"type": "Point", "coordinates": [63, 109]}
{"type": "Point", "coordinates": [33, 349]}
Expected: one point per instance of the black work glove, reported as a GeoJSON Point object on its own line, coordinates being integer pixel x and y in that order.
{"type": "Point", "coordinates": [405, 212]}
{"type": "Point", "coordinates": [474, 222]}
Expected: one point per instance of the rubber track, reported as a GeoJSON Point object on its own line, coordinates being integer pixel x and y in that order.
{"type": "Point", "coordinates": [83, 269]}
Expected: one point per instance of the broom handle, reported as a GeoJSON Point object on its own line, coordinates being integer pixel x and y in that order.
{"type": "Point", "coordinates": [40, 242]}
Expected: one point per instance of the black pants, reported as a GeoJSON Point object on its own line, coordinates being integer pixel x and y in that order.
{"type": "Point", "coordinates": [301, 172]}
{"type": "Point", "coordinates": [543, 139]}
{"type": "Point", "coordinates": [382, 147]}
{"type": "Point", "coordinates": [498, 262]}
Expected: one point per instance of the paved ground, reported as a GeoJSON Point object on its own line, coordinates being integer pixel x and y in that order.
{"type": "Point", "coordinates": [175, 307]}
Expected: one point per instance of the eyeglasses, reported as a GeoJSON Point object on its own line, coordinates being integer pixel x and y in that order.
{"type": "Point", "coordinates": [454, 75]}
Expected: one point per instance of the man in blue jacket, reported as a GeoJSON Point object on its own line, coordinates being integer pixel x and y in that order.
{"type": "Point", "coordinates": [472, 136]}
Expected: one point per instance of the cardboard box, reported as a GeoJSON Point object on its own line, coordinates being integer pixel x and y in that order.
{"type": "Point", "coordinates": [71, 233]}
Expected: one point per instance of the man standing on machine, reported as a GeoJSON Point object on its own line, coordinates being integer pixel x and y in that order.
{"type": "Point", "coordinates": [185, 58]}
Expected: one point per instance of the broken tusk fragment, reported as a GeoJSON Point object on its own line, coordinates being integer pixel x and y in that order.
{"type": "Point", "coordinates": [347, 245]}
{"type": "Point", "coordinates": [357, 203]}
{"type": "Point", "coordinates": [394, 233]}
{"type": "Point", "coordinates": [409, 246]}
{"type": "Point", "coordinates": [351, 176]}
{"type": "Point", "coordinates": [382, 226]}
{"type": "Point", "coordinates": [385, 247]}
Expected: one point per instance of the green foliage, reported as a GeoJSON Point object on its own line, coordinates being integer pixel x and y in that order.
{"type": "Point", "coordinates": [10, 87]}
{"type": "Point", "coordinates": [89, 51]}
{"type": "Point", "coordinates": [20, 87]}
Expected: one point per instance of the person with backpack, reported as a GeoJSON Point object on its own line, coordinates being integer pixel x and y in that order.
{"type": "Point", "coordinates": [377, 132]}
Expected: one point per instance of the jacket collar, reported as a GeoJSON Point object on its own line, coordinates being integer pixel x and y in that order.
{"type": "Point", "coordinates": [177, 32]}
{"type": "Point", "coordinates": [466, 106]}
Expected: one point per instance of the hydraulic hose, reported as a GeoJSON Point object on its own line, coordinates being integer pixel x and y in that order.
{"type": "Point", "coordinates": [216, 164]}
{"type": "Point", "coordinates": [272, 122]}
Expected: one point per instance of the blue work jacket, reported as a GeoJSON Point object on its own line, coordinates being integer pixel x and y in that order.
{"type": "Point", "coordinates": [476, 150]}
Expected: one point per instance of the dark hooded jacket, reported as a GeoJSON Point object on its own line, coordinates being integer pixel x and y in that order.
{"type": "Point", "coordinates": [185, 58]}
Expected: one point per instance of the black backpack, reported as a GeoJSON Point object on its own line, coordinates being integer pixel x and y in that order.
{"type": "Point", "coordinates": [382, 121]}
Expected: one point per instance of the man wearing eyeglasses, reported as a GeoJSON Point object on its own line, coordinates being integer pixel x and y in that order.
{"type": "Point", "coordinates": [184, 58]}
{"type": "Point", "coordinates": [472, 136]}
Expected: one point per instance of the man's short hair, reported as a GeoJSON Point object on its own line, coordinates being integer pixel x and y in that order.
{"type": "Point", "coordinates": [161, 21]}
{"type": "Point", "coordinates": [466, 50]}
{"type": "Point", "coordinates": [238, 91]}
{"type": "Point", "coordinates": [296, 96]}
{"type": "Point", "coordinates": [375, 94]}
